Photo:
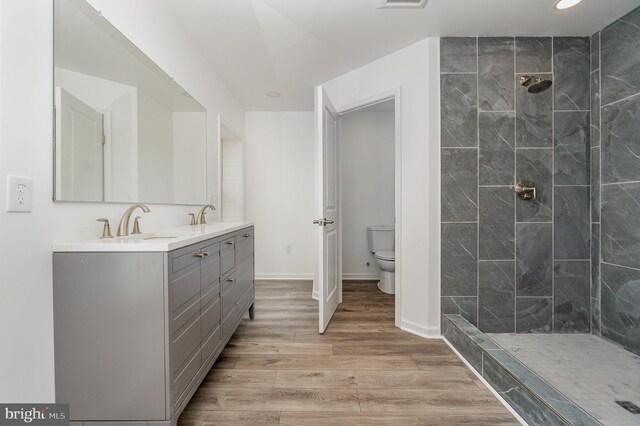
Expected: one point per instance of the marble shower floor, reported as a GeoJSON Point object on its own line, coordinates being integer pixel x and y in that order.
{"type": "Point", "coordinates": [587, 369]}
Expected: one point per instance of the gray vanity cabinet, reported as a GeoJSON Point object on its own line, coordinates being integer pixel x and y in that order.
{"type": "Point", "coordinates": [136, 333]}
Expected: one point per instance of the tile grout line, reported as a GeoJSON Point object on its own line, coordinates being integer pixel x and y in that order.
{"type": "Point", "coordinates": [515, 176]}
{"type": "Point", "coordinates": [553, 181]}
{"type": "Point", "coordinates": [478, 180]}
{"type": "Point", "coordinates": [599, 277]}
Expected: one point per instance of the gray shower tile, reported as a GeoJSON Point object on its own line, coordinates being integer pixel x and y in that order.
{"type": "Point", "coordinates": [463, 344]}
{"type": "Point", "coordinates": [571, 148]}
{"type": "Point", "coordinates": [571, 300]}
{"type": "Point", "coordinates": [497, 146]}
{"type": "Point", "coordinates": [620, 60]}
{"type": "Point", "coordinates": [525, 402]}
{"type": "Point", "coordinates": [496, 73]}
{"type": "Point", "coordinates": [534, 117]}
{"type": "Point", "coordinates": [620, 239]}
{"type": "Point", "coordinates": [535, 165]}
{"type": "Point", "coordinates": [533, 54]}
{"type": "Point", "coordinates": [458, 54]}
{"type": "Point", "coordinates": [467, 306]}
{"type": "Point", "coordinates": [533, 259]}
{"type": "Point", "coordinates": [620, 305]}
{"type": "Point", "coordinates": [595, 260]}
{"type": "Point", "coordinates": [572, 227]}
{"type": "Point", "coordinates": [459, 110]}
{"type": "Point", "coordinates": [496, 298]}
{"type": "Point", "coordinates": [595, 51]}
{"type": "Point", "coordinates": [497, 223]}
{"type": "Point", "coordinates": [571, 68]}
{"type": "Point", "coordinates": [595, 184]}
{"type": "Point", "coordinates": [459, 259]}
{"type": "Point", "coordinates": [620, 141]}
{"type": "Point", "coordinates": [533, 315]}
{"type": "Point", "coordinates": [595, 317]}
{"type": "Point", "coordinates": [594, 117]}
{"type": "Point", "coordinates": [459, 189]}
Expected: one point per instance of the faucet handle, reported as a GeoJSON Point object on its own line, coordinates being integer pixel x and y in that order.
{"type": "Point", "coordinates": [193, 219]}
{"type": "Point", "coordinates": [136, 226]}
{"type": "Point", "coordinates": [106, 229]}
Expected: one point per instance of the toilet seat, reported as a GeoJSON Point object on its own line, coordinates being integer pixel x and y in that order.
{"type": "Point", "coordinates": [386, 255]}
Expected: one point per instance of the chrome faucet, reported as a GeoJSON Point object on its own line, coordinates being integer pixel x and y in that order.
{"type": "Point", "coordinates": [200, 220]}
{"type": "Point", "coordinates": [123, 227]}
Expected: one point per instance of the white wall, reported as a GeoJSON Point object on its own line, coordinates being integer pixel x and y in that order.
{"type": "Point", "coordinates": [367, 144]}
{"type": "Point", "coordinates": [414, 70]}
{"type": "Point", "coordinates": [279, 191]}
{"type": "Point", "coordinates": [26, 71]}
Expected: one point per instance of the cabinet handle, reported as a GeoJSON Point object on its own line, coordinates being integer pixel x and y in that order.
{"type": "Point", "coordinates": [205, 253]}
{"type": "Point", "coordinates": [246, 235]}
{"type": "Point", "coordinates": [231, 280]}
{"type": "Point", "coordinates": [229, 243]}
{"type": "Point", "coordinates": [199, 254]}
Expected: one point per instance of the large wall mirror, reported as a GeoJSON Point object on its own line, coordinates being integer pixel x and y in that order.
{"type": "Point", "coordinates": [124, 130]}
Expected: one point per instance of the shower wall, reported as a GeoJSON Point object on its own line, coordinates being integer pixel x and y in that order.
{"type": "Point", "coordinates": [510, 265]}
{"type": "Point", "coordinates": [615, 208]}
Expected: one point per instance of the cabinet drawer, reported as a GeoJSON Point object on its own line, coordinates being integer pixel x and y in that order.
{"type": "Point", "coordinates": [185, 257]}
{"type": "Point", "coordinates": [184, 289]}
{"type": "Point", "coordinates": [210, 318]}
{"type": "Point", "coordinates": [227, 255]}
{"type": "Point", "coordinates": [244, 246]}
{"type": "Point", "coordinates": [229, 293]}
{"type": "Point", "coordinates": [229, 321]}
{"type": "Point", "coordinates": [185, 344]}
{"type": "Point", "coordinates": [244, 276]}
{"type": "Point", "coordinates": [184, 377]}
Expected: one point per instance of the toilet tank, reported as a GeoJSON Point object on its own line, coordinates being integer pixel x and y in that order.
{"type": "Point", "coordinates": [381, 238]}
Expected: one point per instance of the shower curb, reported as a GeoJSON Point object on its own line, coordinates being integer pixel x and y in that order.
{"type": "Point", "coordinates": [530, 396]}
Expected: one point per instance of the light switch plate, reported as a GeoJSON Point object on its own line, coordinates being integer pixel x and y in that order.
{"type": "Point", "coordinates": [19, 194]}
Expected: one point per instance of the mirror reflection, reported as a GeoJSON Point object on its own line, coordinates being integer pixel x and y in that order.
{"type": "Point", "coordinates": [124, 130]}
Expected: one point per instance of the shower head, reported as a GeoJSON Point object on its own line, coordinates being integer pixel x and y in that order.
{"type": "Point", "coordinates": [534, 84]}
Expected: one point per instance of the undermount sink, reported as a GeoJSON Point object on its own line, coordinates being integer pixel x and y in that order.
{"type": "Point", "coordinates": [160, 237]}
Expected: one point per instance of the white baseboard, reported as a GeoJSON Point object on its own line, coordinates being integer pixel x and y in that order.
{"type": "Point", "coordinates": [420, 330]}
{"type": "Point", "coordinates": [491, 389]}
{"type": "Point", "coordinates": [284, 277]}
{"type": "Point", "coordinates": [356, 276]}
{"type": "Point", "coordinates": [315, 295]}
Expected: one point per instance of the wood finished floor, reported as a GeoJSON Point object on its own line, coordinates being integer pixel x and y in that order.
{"type": "Point", "coordinates": [277, 369]}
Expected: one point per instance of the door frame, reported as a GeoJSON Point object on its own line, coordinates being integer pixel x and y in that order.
{"type": "Point", "coordinates": [220, 121]}
{"type": "Point", "coordinates": [361, 103]}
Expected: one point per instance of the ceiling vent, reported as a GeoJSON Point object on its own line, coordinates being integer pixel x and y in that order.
{"type": "Point", "coordinates": [402, 4]}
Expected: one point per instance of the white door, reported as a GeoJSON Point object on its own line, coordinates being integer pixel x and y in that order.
{"type": "Point", "coordinates": [328, 280]}
{"type": "Point", "coordinates": [232, 181]}
{"type": "Point", "coordinates": [82, 149]}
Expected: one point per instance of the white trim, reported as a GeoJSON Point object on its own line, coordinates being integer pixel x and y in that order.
{"type": "Point", "coordinates": [420, 330]}
{"type": "Point", "coordinates": [484, 382]}
{"type": "Point", "coordinates": [358, 276]}
{"type": "Point", "coordinates": [315, 295]}
{"type": "Point", "coordinates": [396, 95]}
{"type": "Point", "coordinates": [284, 277]}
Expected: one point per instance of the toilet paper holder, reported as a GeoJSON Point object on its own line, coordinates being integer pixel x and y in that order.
{"type": "Point", "coordinates": [526, 190]}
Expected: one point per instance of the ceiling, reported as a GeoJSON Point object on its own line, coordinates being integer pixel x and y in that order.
{"type": "Point", "coordinates": [288, 46]}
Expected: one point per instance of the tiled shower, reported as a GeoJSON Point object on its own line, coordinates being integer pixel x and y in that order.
{"type": "Point", "coordinates": [567, 262]}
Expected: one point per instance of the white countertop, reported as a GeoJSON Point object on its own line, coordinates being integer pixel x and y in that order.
{"type": "Point", "coordinates": [157, 241]}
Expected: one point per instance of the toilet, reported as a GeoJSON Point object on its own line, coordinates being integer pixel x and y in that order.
{"type": "Point", "coordinates": [382, 245]}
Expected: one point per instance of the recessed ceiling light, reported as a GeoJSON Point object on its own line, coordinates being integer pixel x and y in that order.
{"type": "Point", "coordinates": [273, 94]}
{"type": "Point", "coordinates": [402, 4]}
{"type": "Point", "coordinates": [566, 4]}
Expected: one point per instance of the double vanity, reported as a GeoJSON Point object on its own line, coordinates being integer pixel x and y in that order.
{"type": "Point", "coordinates": [140, 320]}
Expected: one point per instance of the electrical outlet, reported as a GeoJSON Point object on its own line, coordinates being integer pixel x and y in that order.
{"type": "Point", "coordinates": [288, 249]}
{"type": "Point", "coordinates": [19, 194]}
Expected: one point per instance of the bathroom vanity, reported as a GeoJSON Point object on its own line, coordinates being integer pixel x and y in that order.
{"type": "Point", "coordinates": [139, 321]}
